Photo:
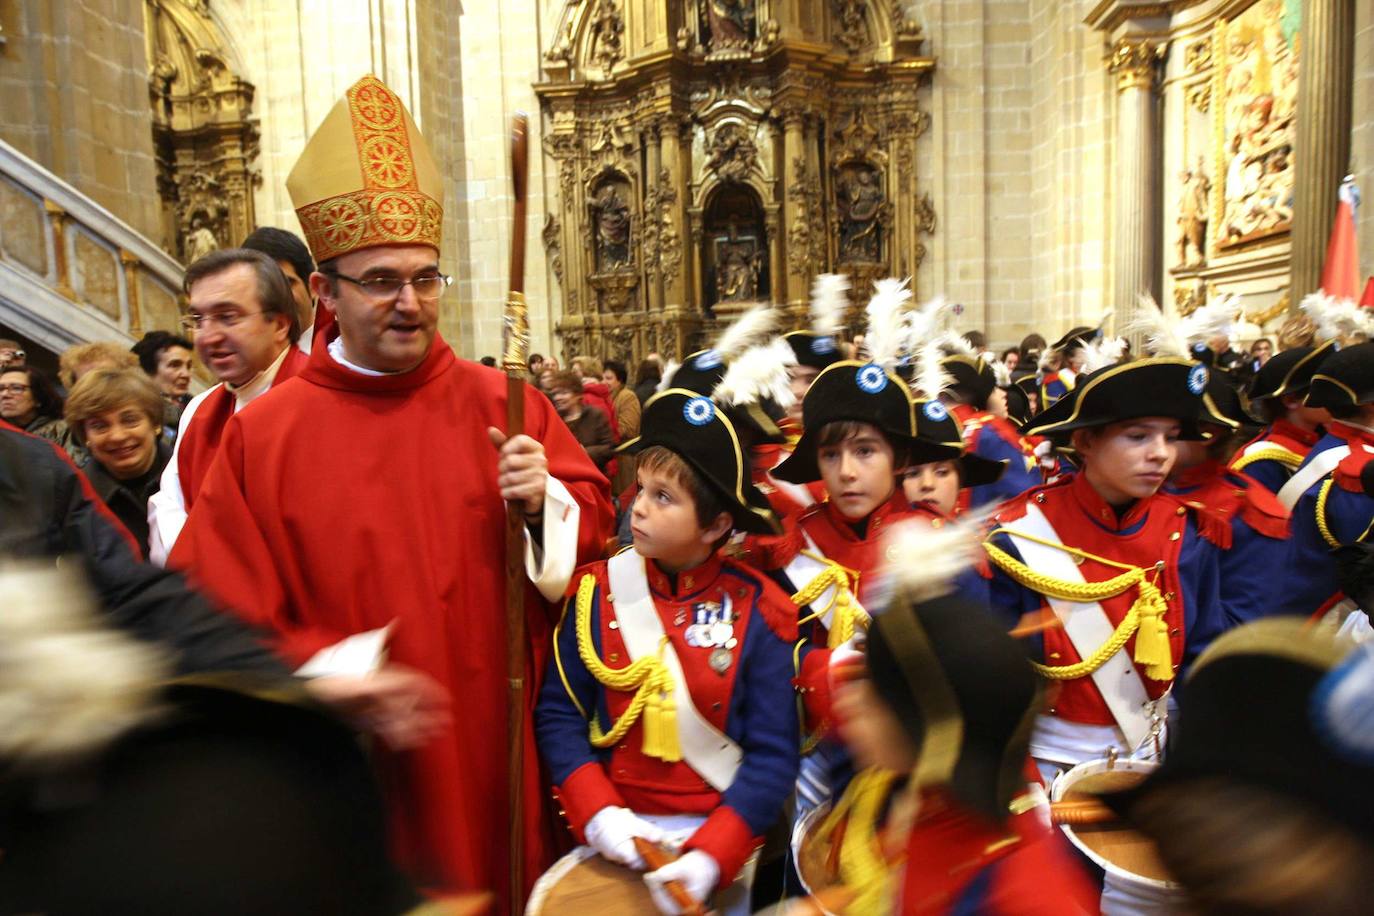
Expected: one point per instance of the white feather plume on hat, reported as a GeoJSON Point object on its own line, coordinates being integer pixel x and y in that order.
{"type": "Point", "coordinates": [888, 330]}
{"type": "Point", "coordinates": [665, 381]}
{"type": "Point", "coordinates": [923, 561]}
{"type": "Point", "coordinates": [1169, 334]}
{"type": "Point", "coordinates": [829, 303]}
{"type": "Point", "coordinates": [1337, 319]}
{"type": "Point", "coordinates": [1102, 352]}
{"type": "Point", "coordinates": [758, 374]}
{"type": "Point", "coordinates": [748, 330]}
{"type": "Point", "coordinates": [69, 685]}
{"type": "Point", "coordinates": [927, 334]}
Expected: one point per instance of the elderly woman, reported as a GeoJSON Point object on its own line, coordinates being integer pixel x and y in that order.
{"type": "Point", "coordinates": [29, 401]}
{"type": "Point", "coordinates": [117, 414]}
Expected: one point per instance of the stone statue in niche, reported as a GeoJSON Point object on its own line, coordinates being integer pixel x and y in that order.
{"type": "Point", "coordinates": [737, 269]}
{"type": "Point", "coordinates": [200, 241]}
{"type": "Point", "coordinates": [1192, 214]}
{"type": "Point", "coordinates": [611, 218]}
{"type": "Point", "coordinates": [730, 22]}
{"type": "Point", "coordinates": [860, 202]}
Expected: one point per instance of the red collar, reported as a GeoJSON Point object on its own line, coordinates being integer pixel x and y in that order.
{"type": "Point", "coordinates": [879, 520]}
{"type": "Point", "coordinates": [325, 371]}
{"type": "Point", "coordinates": [689, 581]}
{"type": "Point", "coordinates": [1198, 475]}
{"type": "Point", "coordinates": [1351, 434]}
{"type": "Point", "coordinates": [1288, 430]}
{"type": "Point", "coordinates": [1099, 510]}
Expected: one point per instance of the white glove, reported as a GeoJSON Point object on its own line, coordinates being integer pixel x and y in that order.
{"type": "Point", "coordinates": [612, 832]}
{"type": "Point", "coordinates": [697, 872]}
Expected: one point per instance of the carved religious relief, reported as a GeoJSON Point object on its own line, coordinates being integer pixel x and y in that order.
{"type": "Point", "coordinates": [1193, 208]}
{"type": "Point", "coordinates": [851, 30]}
{"type": "Point", "coordinates": [860, 204]}
{"type": "Point", "coordinates": [806, 234]}
{"type": "Point", "coordinates": [662, 244]}
{"type": "Point", "coordinates": [732, 153]}
{"type": "Point", "coordinates": [1255, 89]}
{"type": "Point", "coordinates": [205, 139]}
{"type": "Point", "coordinates": [608, 33]}
{"type": "Point", "coordinates": [610, 208]}
{"type": "Point", "coordinates": [730, 24]}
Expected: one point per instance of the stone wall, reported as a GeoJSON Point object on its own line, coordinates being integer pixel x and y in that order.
{"type": "Point", "coordinates": [1016, 161]}
{"type": "Point", "coordinates": [74, 85]}
{"type": "Point", "coordinates": [1362, 133]}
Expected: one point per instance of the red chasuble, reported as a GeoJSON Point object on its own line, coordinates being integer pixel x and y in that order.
{"type": "Point", "coordinates": [346, 502]}
{"type": "Point", "coordinates": [198, 445]}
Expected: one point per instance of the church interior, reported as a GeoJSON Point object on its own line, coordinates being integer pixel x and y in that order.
{"type": "Point", "coordinates": [1037, 162]}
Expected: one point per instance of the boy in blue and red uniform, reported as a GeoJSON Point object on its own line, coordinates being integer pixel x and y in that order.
{"type": "Point", "coordinates": [1332, 492]}
{"type": "Point", "coordinates": [668, 709]}
{"type": "Point", "coordinates": [1277, 393]}
{"type": "Point", "coordinates": [1234, 512]}
{"type": "Point", "coordinates": [987, 434]}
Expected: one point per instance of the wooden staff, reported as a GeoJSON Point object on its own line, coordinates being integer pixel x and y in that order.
{"type": "Point", "coordinates": [655, 856]}
{"type": "Point", "coordinates": [515, 360]}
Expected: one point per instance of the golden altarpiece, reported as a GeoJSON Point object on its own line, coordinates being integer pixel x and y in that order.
{"type": "Point", "coordinates": [714, 153]}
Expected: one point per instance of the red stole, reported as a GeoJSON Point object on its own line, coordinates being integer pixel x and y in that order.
{"type": "Point", "coordinates": [1085, 521]}
{"type": "Point", "coordinates": [200, 442]}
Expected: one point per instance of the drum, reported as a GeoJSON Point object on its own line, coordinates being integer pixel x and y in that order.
{"type": "Point", "coordinates": [1132, 863]}
{"type": "Point", "coordinates": [811, 854]}
{"type": "Point", "coordinates": [584, 882]}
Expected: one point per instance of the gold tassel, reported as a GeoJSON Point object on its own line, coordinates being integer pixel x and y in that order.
{"type": "Point", "coordinates": [1152, 638]}
{"type": "Point", "coordinates": [670, 745]}
{"type": "Point", "coordinates": [653, 724]}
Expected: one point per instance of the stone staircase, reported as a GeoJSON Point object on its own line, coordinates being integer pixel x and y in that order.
{"type": "Point", "coordinates": [70, 271]}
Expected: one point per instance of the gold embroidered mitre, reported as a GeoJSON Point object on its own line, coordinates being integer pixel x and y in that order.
{"type": "Point", "coordinates": [366, 177]}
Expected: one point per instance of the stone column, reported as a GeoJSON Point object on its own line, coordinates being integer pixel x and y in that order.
{"type": "Point", "coordinates": [1135, 223]}
{"type": "Point", "coordinates": [1322, 156]}
{"type": "Point", "coordinates": [795, 197]}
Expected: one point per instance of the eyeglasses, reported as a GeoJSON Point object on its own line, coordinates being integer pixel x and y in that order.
{"type": "Point", "coordinates": [13, 389]}
{"type": "Point", "coordinates": [195, 322]}
{"type": "Point", "coordinates": [384, 289]}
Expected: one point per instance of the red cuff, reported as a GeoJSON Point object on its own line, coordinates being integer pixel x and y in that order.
{"type": "Point", "coordinates": [583, 794]}
{"type": "Point", "coordinates": [726, 838]}
{"type": "Point", "coordinates": [813, 683]}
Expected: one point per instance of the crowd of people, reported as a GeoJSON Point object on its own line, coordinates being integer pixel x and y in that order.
{"type": "Point", "coordinates": [855, 618]}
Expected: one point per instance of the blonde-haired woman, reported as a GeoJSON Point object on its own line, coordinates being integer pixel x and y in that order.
{"type": "Point", "coordinates": [117, 415]}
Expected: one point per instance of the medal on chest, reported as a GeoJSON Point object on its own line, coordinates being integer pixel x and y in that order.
{"type": "Point", "coordinates": [712, 627]}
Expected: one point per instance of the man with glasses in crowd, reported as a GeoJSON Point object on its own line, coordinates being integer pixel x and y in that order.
{"type": "Point", "coordinates": [244, 325]}
{"type": "Point", "coordinates": [361, 506]}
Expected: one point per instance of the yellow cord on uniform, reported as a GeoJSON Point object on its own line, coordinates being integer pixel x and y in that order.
{"type": "Point", "coordinates": [648, 677]}
{"type": "Point", "coordinates": [847, 612]}
{"type": "Point", "coordinates": [1331, 540]}
{"type": "Point", "coordinates": [1289, 459]}
{"type": "Point", "coordinates": [1145, 618]}
{"type": "Point", "coordinates": [862, 865]}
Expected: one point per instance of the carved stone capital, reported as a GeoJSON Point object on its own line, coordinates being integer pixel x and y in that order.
{"type": "Point", "coordinates": [1135, 61]}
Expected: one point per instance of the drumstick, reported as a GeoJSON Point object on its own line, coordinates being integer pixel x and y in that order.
{"type": "Point", "coordinates": [1080, 813]}
{"type": "Point", "coordinates": [655, 856]}
{"type": "Point", "coordinates": [1031, 624]}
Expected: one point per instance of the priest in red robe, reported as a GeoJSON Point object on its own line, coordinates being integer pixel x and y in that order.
{"type": "Point", "coordinates": [357, 514]}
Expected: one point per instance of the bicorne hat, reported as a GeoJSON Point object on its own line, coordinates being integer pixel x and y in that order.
{"type": "Point", "coordinates": [972, 373]}
{"type": "Point", "coordinates": [819, 351]}
{"type": "Point", "coordinates": [936, 428]}
{"type": "Point", "coordinates": [1156, 387]}
{"type": "Point", "coordinates": [1289, 371]}
{"type": "Point", "coordinates": [1345, 379]}
{"type": "Point", "coordinates": [702, 371]}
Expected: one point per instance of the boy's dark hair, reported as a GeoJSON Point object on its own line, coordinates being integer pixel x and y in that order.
{"type": "Point", "coordinates": [488, 361]}
{"type": "Point", "coordinates": [280, 245]}
{"type": "Point", "coordinates": [149, 348]}
{"type": "Point", "coordinates": [617, 368]}
{"type": "Point", "coordinates": [836, 432]}
{"type": "Point", "coordinates": [659, 460]}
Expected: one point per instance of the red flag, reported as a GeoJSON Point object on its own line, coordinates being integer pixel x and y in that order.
{"type": "Point", "coordinates": [1341, 273]}
{"type": "Point", "coordinates": [1367, 300]}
